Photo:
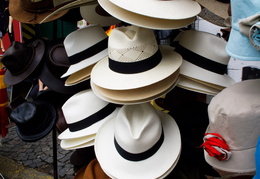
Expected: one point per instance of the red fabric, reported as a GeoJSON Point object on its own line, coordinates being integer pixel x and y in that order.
{"type": "Point", "coordinates": [3, 103]}
{"type": "Point", "coordinates": [216, 146]}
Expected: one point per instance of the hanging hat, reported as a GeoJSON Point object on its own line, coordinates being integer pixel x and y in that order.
{"type": "Point", "coordinates": [33, 12]}
{"type": "Point", "coordinates": [78, 143]}
{"type": "Point", "coordinates": [95, 14]}
{"type": "Point", "coordinates": [204, 58]}
{"type": "Point", "coordinates": [85, 47]}
{"type": "Point", "coordinates": [134, 60]}
{"type": "Point", "coordinates": [34, 120]}
{"type": "Point", "coordinates": [244, 31]}
{"type": "Point", "coordinates": [233, 130]}
{"type": "Point", "coordinates": [84, 113]}
{"type": "Point", "coordinates": [138, 95]}
{"type": "Point", "coordinates": [146, 21]}
{"type": "Point", "coordinates": [127, 147]}
{"type": "Point", "coordinates": [21, 60]}
{"type": "Point", "coordinates": [56, 63]}
{"type": "Point", "coordinates": [212, 18]}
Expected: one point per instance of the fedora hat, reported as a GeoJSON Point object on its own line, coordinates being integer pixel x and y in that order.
{"type": "Point", "coordinates": [219, 8]}
{"type": "Point", "coordinates": [204, 58]}
{"type": "Point", "coordinates": [133, 54]}
{"type": "Point", "coordinates": [192, 85]}
{"type": "Point", "coordinates": [235, 131]}
{"type": "Point", "coordinates": [21, 60]}
{"type": "Point", "coordinates": [35, 12]}
{"type": "Point", "coordinates": [95, 14]}
{"type": "Point", "coordinates": [239, 46]}
{"type": "Point", "coordinates": [127, 147]}
{"type": "Point", "coordinates": [56, 63]}
{"type": "Point", "coordinates": [34, 120]}
{"type": "Point", "coordinates": [84, 113]}
{"type": "Point", "coordinates": [138, 95]}
{"type": "Point", "coordinates": [142, 20]}
{"type": "Point", "coordinates": [85, 47]}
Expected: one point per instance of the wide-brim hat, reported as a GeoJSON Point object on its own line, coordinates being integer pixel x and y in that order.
{"type": "Point", "coordinates": [217, 7]}
{"type": "Point", "coordinates": [38, 49]}
{"type": "Point", "coordinates": [204, 57]}
{"type": "Point", "coordinates": [28, 127]}
{"type": "Point", "coordinates": [77, 143]}
{"type": "Point", "coordinates": [212, 18]}
{"type": "Point", "coordinates": [95, 14]}
{"type": "Point", "coordinates": [192, 85]}
{"type": "Point", "coordinates": [142, 20]}
{"type": "Point", "coordinates": [236, 127]}
{"type": "Point", "coordinates": [101, 73]}
{"type": "Point", "coordinates": [154, 166]}
{"type": "Point", "coordinates": [85, 47]}
{"type": "Point", "coordinates": [139, 95]}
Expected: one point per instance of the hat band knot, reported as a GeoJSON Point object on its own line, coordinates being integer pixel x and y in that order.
{"type": "Point", "coordinates": [216, 146]}
{"type": "Point", "coordinates": [136, 67]}
{"type": "Point", "coordinates": [200, 61]}
{"type": "Point", "coordinates": [92, 119]}
{"type": "Point", "coordinates": [139, 156]}
{"type": "Point", "coordinates": [89, 52]}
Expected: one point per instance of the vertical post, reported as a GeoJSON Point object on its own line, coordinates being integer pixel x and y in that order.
{"type": "Point", "coordinates": [55, 162]}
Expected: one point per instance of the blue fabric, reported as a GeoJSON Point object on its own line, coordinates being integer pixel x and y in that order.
{"type": "Point", "coordinates": [239, 46]}
{"type": "Point", "coordinates": [257, 159]}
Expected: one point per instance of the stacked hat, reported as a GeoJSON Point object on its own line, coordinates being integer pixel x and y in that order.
{"type": "Point", "coordinates": [23, 61]}
{"type": "Point", "coordinates": [139, 142]}
{"type": "Point", "coordinates": [84, 113]}
{"type": "Point", "coordinates": [56, 63]}
{"type": "Point", "coordinates": [35, 12]}
{"type": "Point", "coordinates": [136, 70]}
{"type": "Point", "coordinates": [204, 62]}
{"type": "Point", "coordinates": [153, 14]}
{"type": "Point", "coordinates": [84, 47]}
{"type": "Point", "coordinates": [233, 130]}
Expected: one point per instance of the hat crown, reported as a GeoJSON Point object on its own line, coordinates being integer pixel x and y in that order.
{"type": "Point", "coordinates": [131, 43]}
{"type": "Point", "coordinates": [37, 6]}
{"type": "Point", "coordinates": [234, 113]}
{"type": "Point", "coordinates": [137, 127]}
{"type": "Point", "coordinates": [81, 105]}
{"type": "Point", "coordinates": [83, 39]}
{"type": "Point", "coordinates": [18, 57]}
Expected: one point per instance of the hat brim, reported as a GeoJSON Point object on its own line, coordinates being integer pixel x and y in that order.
{"type": "Point", "coordinates": [193, 71]}
{"type": "Point", "coordinates": [51, 114]}
{"type": "Point", "coordinates": [90, 14]}
{"type": "Point", "coordinates": [171, 10]}
{"type": "Point", "coordinates": [19, 14]}
{"type": "Point", "coordinates": [139, 94]}
{"type": "Point", "coordinates": [67, 134]}
{"type": "Point", "coordinates": [103, 76]}
{"type": "Point", "coordinates": [158, 164]}
{"type": "Point", "coordinates": [216, 7]}
{"type": "Point", "coordinates": [239, 47]}
{"type": "Point", "coordinates": [39, 48]}
{"type": "Point", "coordinates": [77, 143]}
{"type": "Point", "coordinates": [131, 102]}
{"type": "Point", "coordinates": [212, 18]}
{"type": "Point", "coordinates": [143, 21]}
{"type": "Point", "coordinates": [192, 85]}
{"type": "Point", "coordinates": [89, 62]}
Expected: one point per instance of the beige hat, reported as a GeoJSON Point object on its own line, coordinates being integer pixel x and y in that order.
{"type": "Point", "coordinates": [142, 20]}
{"type": "Point", "coordinates": [234, 114]}
{"type": "Point", "coordinates": [204, 58]}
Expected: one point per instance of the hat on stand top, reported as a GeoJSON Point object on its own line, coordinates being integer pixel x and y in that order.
{"type": "Point", "coordinates": [34, 11]}
{"type": "Point", "coordinates": [34, 120]}
{"type": "Point", "coordinates": [95, 14]}
{"type": "Point", "coordinates": [134, 60]}
{"type": "Point", "coordinates": [156, 14]}
{"type": "Point", "coordinates": [204, 58]}
{"type": "Point", "coordinates": [243, 43]}
{"type": "Point", "coordinates": [21, 60]}
{"type": "Point", "coordinates": [232, 134]}
{"type": "Point", "coordinates": [139, 142]}
{"type": "Point", "coordinates": [85, 47]}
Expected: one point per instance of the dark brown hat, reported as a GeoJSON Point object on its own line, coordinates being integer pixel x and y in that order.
{"type": "Point", "coordinates": [21, 60]}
